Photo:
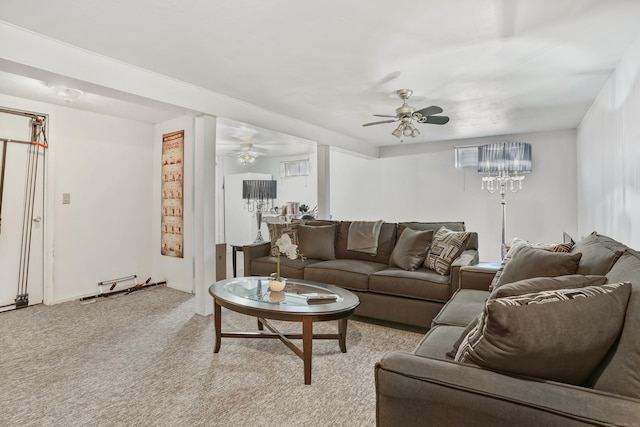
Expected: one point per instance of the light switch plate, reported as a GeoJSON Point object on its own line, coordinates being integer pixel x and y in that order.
{"type": "Point", "coordinates": [66, 198]}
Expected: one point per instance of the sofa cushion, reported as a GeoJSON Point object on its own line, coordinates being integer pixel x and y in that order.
{"type": "Point", "coordinates": [462, 308]}
{"type": "Point", "coordinates": [599, 253]}
{"type": "Point", "coordinates": [411, 249]}
{"type": "Point", "coordinates": [433, 226]}
{"type": "Point", "coordinates": [451, 354]}
{"type": "Point", "coordinates": [277, 230]}
{"type": "Point", "coordinates": [422, 283]}
{"type": "Point", "coordinates": [556, 335]}
{"type": "Point", "coordinates": [516, 243]}
{"type": "Point", "coordinates": [347, 273]}
{"type": "Point", "coordinates": [437, 341]}
{"type": "Point", "coordinates": [619, 372]}
{"type": "Point", "coordinates": [528, 262]}
{"type": "Point", "coordinates": [317, 242]}
{"type": "Point", "coordinates": [386, 243]}
{"type": "Point", "coordinates": [446, 246]}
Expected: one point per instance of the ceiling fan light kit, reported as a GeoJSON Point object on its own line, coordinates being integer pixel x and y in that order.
{"type": "Point", "coordinates": [406, 114]}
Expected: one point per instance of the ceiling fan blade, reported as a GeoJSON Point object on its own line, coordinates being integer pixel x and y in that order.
{"type": "Point", "coordinates": [437, 120]}
{"type": "Point", "coordinates": [434, 109]}
{"type": "Point", "coordinates": [379, 123]}
{"type": "Point", "coordinates": [383, 115]}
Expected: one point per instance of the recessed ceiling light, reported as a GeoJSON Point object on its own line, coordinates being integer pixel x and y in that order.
{"type": "Point", "coordinates": [66, 93]}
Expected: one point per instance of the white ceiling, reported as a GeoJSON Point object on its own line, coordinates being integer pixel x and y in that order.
{"type": "Point", "coordinates": [495, 66]}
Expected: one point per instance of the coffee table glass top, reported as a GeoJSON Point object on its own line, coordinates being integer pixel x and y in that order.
{"type": "Point", "coordinates": [298, 295]}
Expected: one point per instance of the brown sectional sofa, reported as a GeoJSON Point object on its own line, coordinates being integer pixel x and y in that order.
{"type": "Point", "coordinates": [427, 387]}
{"type": "Point", "coordinates": [386, 293]}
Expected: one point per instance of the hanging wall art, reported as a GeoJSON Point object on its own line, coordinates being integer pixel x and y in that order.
{"type": "Point", "coordinates": [172, 233]}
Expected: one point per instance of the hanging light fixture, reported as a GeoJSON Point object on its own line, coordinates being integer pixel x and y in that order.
{"type": "Point", "coordinates": [406, 128]}
{"type": "Point", "coordinates": [246, 158]}
{"type": "Point", "coordinates": [504, 165]}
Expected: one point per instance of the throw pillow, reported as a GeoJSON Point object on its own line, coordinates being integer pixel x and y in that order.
{"type": "Point", "coordinates": [528, 262]}
{"type": "Point", "coordinates": [411, 249]}
{"type": "Point", "coordinates": [317, 242]}
{"type": "Point", "coordinates": [528, 286]}
{"type": "Point", "coordinates": [277, 230]}
{"type": "Point", "coordinates": [447, 245]}
{"type": "Point", "coordinates": [557, 335]}
{"type": "Point", "coordinates": [516, 243]}
{"type": "Point", "coordinates": [597, 258]}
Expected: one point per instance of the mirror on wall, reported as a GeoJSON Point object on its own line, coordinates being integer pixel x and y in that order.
{"type": "Point", "coordinates": [246, 152]}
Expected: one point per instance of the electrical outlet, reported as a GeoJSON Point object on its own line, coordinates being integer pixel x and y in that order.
{"type": "Point", "coordinates": [66, 198]}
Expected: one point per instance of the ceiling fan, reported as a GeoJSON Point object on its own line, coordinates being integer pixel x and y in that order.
{"type": "Point", "coordinates": [406, 114]}
{"type": "Point", "coordinates": [247, 154]}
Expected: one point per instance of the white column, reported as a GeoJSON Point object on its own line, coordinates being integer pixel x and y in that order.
{"type": "Point", "coordinates": [204, 216]}
{"type": "Point", "coordinates": [324, 187]}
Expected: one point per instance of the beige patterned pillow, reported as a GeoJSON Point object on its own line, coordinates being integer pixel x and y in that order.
{"type": "Point", "coordinates": [446, 246]}
{"type": "Point", "coordinates": [560, 335]}
{"type": "Point", "coordinates": [277, 230]}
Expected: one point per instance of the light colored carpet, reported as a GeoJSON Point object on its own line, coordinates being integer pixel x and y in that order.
{"type": "Point", "coordinates": [146, 359]}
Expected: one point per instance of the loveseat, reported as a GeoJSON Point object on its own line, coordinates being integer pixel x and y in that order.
{"type": "Point", "coordinates": [590, 377]}
{"type": "Point", "coordinates": [386, 291]}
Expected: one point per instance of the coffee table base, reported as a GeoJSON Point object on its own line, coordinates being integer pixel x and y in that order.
{"type": "Point", "coordinates": [307, 337]}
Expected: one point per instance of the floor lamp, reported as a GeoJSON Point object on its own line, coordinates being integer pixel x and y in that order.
{"type": "Point", "coordinates": [504, 165]}
{"type": "Point", "coordinates": [259, 195]}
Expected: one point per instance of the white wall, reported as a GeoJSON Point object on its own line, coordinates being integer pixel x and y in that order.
{"type": "Point", "coordinates": [178, 272]}
{"type": "Point", "coordinates": [608, 141]}
{"type": "Point", "coordinates": [425, 186]}
{"type": "Point", "coordinates": [106, 165]}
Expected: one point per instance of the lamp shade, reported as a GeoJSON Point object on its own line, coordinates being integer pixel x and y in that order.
{"type": "Point", "coordinates": [259, 189]}
{"type": "Point", "coordinates": [510, 157]}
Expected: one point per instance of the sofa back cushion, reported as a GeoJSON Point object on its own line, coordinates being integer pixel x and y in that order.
{"type": "Point", "coordinates": [317, 242]}
{"type": "Point", "coordinates": [619, 372]}
{"type": "Point", "coordinates": [386, 243]}
{"type": "Point", "coordinates": [599, 253]}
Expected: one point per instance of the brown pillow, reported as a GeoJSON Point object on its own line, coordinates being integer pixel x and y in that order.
{"type": "Point", "coordinates": [529, 286]}
{"type": "Point", "coordinates": [317, 242]}
{"type": "Point", "coordinates": [557, 335]}
{"type": "Point", "coordinates": [528, 262]}
{"type": "Point", "coordinates": [447, 245]}
{"type": "Point", "coordinates": [516, 243]}
{"type": "Point", "coordinates": [411, 249]}
{"type": "Point", "coordinates": [596, 257]}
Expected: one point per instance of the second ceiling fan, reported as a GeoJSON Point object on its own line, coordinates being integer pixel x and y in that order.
{"type": "Point", "coordinates": [406, 115]}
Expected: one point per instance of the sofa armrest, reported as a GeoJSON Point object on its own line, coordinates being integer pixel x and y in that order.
{"type": "Point", "coordinates": [467, 257]}
{"type": "Point", "coordinates": [476, 277]}
{"type": "Point", "coordinates": [412, 389]}
{"type": "Point", "coordinates": [254, 251]}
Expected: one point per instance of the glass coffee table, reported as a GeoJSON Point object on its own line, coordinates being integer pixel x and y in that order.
{"type": "Point", "coordinates": [300, 301]}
